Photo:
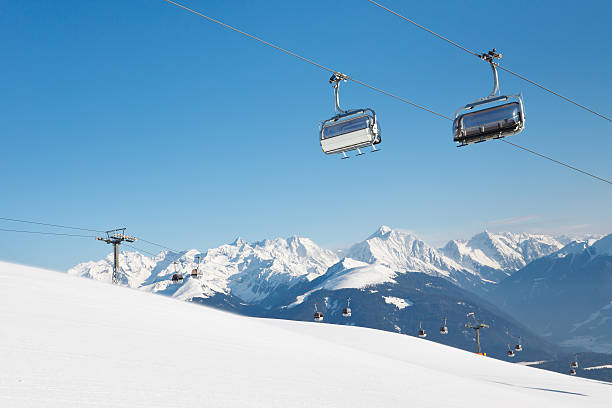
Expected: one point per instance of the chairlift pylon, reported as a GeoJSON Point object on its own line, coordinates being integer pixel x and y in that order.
{"type": "Point", "coordinates": [348, 129]}
{"type": "Point", "coordinates": [489, 123]}
{"type": "Point", "coordinates": [346, 312]}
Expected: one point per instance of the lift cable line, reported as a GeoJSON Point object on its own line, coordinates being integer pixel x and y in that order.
{"type": "Point", "coordinates": [373, 87]}
{"type": "Point", "coordinates": [47, 233]}
{"type": "Point", "coordinates": [304, 58]}
{"type": "Point", "coordinates": [140, 250]}
{"type": "Point", "coordinates": [158, 245]}
{"type": "Point", "coordinates": [557, 161]}
{"type": "Point", "coordinates": [49, 225]}
{"type": "Point", "coordinates": [495, 63]}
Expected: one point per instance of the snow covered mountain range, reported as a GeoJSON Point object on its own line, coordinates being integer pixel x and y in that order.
{"type": "Point", "coordinates": [254, 271]}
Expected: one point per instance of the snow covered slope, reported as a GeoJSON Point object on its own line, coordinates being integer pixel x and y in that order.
{"type": "Point", "coordinates": [70, 342]}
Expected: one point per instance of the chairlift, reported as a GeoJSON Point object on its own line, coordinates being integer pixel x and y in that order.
{"type": "Point", "coordinates": [177, 277]}
{"type": "Point", "coordinates": [510, 352]}
{"type": "Point", "coordinates": [519, 346]}
{"type": "Point", "coordinates": [196, 273]}
{"type": "Point", "coordinates": [572, 372]}
{"type": "Point", "coordinates": [318, 316]}
{"type": "Point", "coordinates": [351, 129]}
{"type": "Point", "coordinates": [346, 312]}
{"type": "Point", "coordinates": [444, 328]}
{"type": "Point", "coordinates": [574, 364]}
{"type": "Point", "coordinates": [495, 122]}
{"type": "Point", "coordinates": [422, 332]}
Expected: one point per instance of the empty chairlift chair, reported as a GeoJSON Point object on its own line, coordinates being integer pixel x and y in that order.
{"type": "Point", "coordinates": [177, 277]}
{"type": "Point", "coordinates": [519, 346]}
{"type": "Point", "coordinates": [318, 316]}
{"type": "Point", "coordinates": [574, 364]}
{"type": "Point", "coordinates": [196, 273]}
{"type": "Point", "coordinates": [346, 312]}
{"type": "Point", "coordinates": [348, 130]}
{"type": "Point", "coordinates": [444, 328]}
{"type": "Point", "coordinates": [422, 333]}
{"type": "Point", "coordinates": [501, 120]}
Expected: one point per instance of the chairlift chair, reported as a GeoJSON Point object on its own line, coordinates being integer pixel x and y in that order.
{"type": "Point", "coordinates": [444, 328]}
{"type": "Point", "coordinates": [422, 332]}
{"type": "Point", "coordinates": [346, 312]}
{"type": "Point", "coordinates": [177, 276]}
{"type": "Point", "coordinates": [318, 316]}
{"type": "Point", "coordinates": [510, 352]}
{"type": "Point", "coordinates": [572, 372]}
{"type": "Point", "coordinates": [574, 364]}
{"type": "Point", "coordinates": [195, 273]}
{"type": "Point", "coordinates": [519, 346]}
{"type": "Point", "coordinates": [495, 122]}
{"type": "Point", "coordinates": [348, 130]}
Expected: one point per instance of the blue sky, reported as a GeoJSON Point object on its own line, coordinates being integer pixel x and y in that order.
{"type": "Point", "coordinates": [139, 114]}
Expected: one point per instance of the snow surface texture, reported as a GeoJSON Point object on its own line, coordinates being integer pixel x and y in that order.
{"type": "Point", "coordinates": [71, 342]}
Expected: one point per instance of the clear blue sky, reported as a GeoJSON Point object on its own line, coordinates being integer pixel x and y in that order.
{"type": "Point", "coordinates": [139, 114]}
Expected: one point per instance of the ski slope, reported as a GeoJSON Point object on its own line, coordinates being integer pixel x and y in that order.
{"type": "Point", "coordinates": [72, 342]}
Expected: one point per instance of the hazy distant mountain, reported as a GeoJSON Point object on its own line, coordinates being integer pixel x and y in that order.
{"type": "Point", "coordinates": [566, 296]}
{"type": "Point", "coordinates": [497, 256]}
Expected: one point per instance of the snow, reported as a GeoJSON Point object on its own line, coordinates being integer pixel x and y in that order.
{"type": "Point", "coordinates": [249, 271]}
{"type": "Point", "coordinates": [503, 251]}
{"type": "Point", "coordinates": [71, 342]}
{"type": "Point", "coordinates": [598, 367]}
{"type": "Point", "coordinates": [353, 274]}
{"type": "Point", "coordinates": [398, 302]}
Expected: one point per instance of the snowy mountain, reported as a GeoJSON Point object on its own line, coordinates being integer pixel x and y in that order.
{"type": "Point", "coordinates": [567, 295]}
{"type": "Point", "coordinates": [497, 256]}
{"type": "Point", "coordinates": [403, 252]}
{"type": "Point", "coordinates": [98, 345]}
{"type": "Point", "coordinates": [249, 271]}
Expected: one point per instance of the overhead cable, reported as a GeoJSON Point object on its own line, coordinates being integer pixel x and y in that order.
{"type": "Point", "coordinates": [368, 85]}
{"type": "Point", "coordinates": [49, 225]}
{"type": "Point", "coordinates": [495, 63]}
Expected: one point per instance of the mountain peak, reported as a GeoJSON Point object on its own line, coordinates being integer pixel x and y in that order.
{"type": "Point", "coordinates": [239, 242]}
{"type": "Point", "coordinates": [382, 231]}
